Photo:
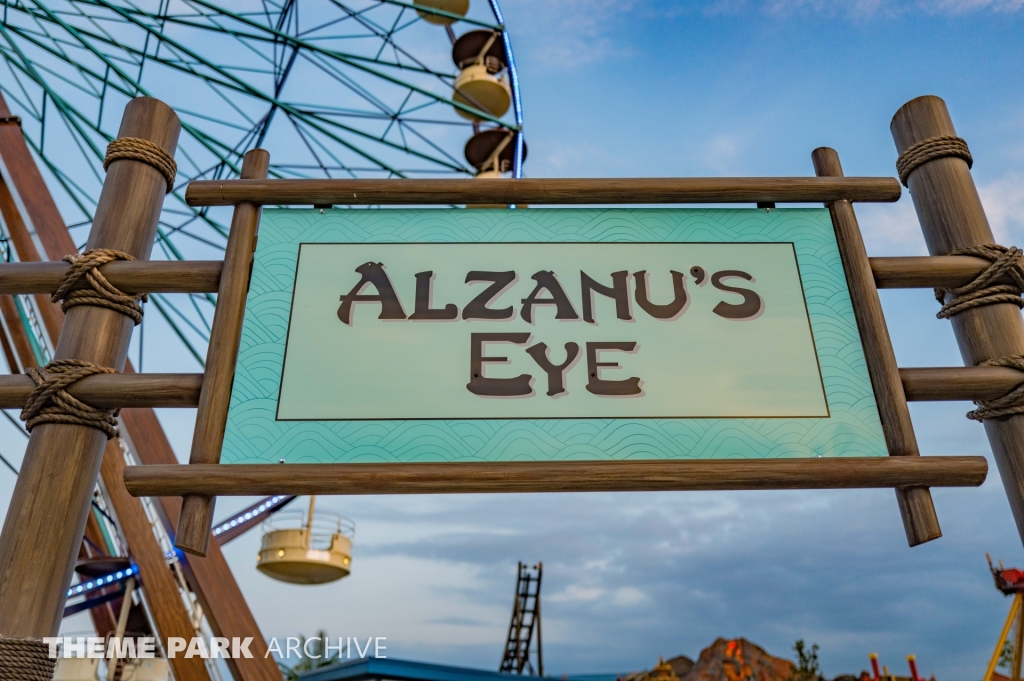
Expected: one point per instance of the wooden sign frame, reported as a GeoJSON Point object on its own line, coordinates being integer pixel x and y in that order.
{"type": "Point", "coordinates": [830, 187]}
{"type": "Point", "coordinates": [204, 478]}
{"type": "Point", "coordinates": [51, 501]}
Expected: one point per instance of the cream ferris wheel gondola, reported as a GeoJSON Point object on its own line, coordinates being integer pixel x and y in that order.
{"type": "Point", "coordinates": [317, 551]}
{"type": "Point", "coordinates": [482, 83]}
{"type": "Point", "coordinates": [492, 152]}
{"type": "Point", "coordinates": [457, 7]}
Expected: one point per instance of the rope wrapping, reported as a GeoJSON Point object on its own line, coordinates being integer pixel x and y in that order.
{"type": "Point", "coordinates": [1006, 263]}
{"type": "Point", "coordinates": [138, 149]}
{"type": "Point", "coordinates": [930, 149]}
{"type": "Point", "coordinates": [50, 401]}
{"type": "Point", "coordinates": [1009, 404]}
{"type": "Point", "coordinates": [102, 293]}
{"type": "Point", "coordinates": [25, 659]}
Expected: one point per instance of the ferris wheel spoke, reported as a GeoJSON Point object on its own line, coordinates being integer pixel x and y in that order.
{"type": "Point", "coordinates": [309, 146]}
{"type": "Point", "coordinates": [75, 120]}
{"type": "Point", "coordinates": [177, 330]}
{"type": "Point", "coordinates": [387, 42]}
{"type": "Point", "coordinates": [434, 146]}
{"type": "Point", "coordinates": [180, 229]}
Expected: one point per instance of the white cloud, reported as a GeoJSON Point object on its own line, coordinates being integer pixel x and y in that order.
{"type": "Point", "coordinates": [862, 9]}
{"type": "Point", "coordinates": [628, 595]}
{"type": "Point", "coordinates": [891, 229]}
{"type": "Point", "coordinates": [575, 592]}
{"type": "Point", "coordinates": [963, 6]}
{"type": "Point", "coordinates": [571, 33]}
{"type": "Point", "coordinates": [1004, 204]}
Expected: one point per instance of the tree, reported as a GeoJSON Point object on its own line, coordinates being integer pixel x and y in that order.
{"type": "Point", "coordinates": [1006, 654]}
{"type": "Point", "coordinates": [807, 667]}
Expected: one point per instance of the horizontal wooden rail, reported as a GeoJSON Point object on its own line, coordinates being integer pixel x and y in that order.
{"type": "Point", "coordinates": [139, 276]}
{"type": "Point", "coordinates": [959, 383]}
{"type": "Point", "coordinates": [555, 476]}
{"type": "Point", "coordinates": [203, 276]}
{"type": "Point", "coordinates": [114, 391]}
{"type": "Point", "coordinates": [926, 271]}
{"type": "Point", "coordinates": [109, 391]}
{"type": "Point", "coordinates": [543, 191]}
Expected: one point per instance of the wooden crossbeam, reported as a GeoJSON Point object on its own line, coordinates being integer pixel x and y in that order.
{"type": "Point", "coordinates": [114, 391]}
{"type": "Point", "coordinates": [555, 476]}
{"type": "Point", "coordinates": [551, 191]}
{"type": "Point", "coordinates": [140, 276]}
{"type": "Point", "coordinates": [203, 276]}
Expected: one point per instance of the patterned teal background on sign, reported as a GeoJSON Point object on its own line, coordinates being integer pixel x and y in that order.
{"type": "Point", "coordinates": [254, 436]}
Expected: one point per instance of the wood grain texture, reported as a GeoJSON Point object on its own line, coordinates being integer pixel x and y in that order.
{"type": "Point", "coordinates": [926, 271]}
{"type": "Point", "coordinates": [958, 383]}
{"type": "Point", "coordinates": [35, 204]}
{"type": "Point", "coordinates": [115, 391]}
{"type": "Point", "coordinates": [130, 390]}
{"type": "Point", "coordinates": [162, 594]}
{"type": "Point", "coordinates": [543, 191]}
{"type": "Point", "coordinates": [203, 276]}
{"type": "Point", "coordinates": [193, 534]}
{"type": "Point", "coordinates": [57, 241]}
{"type": "Point", "coordinates": [103, 618]}
{"type": "Point", "coordinates": [6, 340]}
{"type": "Point", "coordinates": [951, 216]}
{"type": "Point", "coordinates": [51, 499]}
{"type": "Point", "coordinates": [554, 476]}
{"type": "Point", "coordinates": [140, 276]}
{"type": "Point", "coordinates": [20, 344]}
{"type": "Point", "coordinates": [916, 507]}
{"type": "Point", "coordinates": [209, 578]}
{"type": "Point", "coordinates": [51, 315]}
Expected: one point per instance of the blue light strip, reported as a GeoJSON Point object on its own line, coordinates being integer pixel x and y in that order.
{"type": "Point", "coordinates": [517, 102]}
{"type": "Point", "coordinates": [266, 507]}
{"type": "Point", "coordinates": [106, 580]}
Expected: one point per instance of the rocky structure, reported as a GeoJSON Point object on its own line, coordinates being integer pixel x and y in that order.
{"type": "Point", "coordinates": [723, 660]}
{"type": "Point", "coordinates": [738, 660]}
{"type": "Point", "coordinates": [663, 671]}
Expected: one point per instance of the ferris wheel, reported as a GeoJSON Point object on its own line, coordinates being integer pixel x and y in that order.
{"type": "Point", "coordinates": [333, 88]}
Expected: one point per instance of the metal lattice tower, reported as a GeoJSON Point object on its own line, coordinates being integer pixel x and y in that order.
{"type": "Point", "coordinates": [525, 621]}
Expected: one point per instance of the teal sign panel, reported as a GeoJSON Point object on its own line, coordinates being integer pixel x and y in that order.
{"type": "Point", "coordinates": [392, 335]}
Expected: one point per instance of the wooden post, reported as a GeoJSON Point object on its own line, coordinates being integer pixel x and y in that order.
{"type": "Point", "coordinates": [196, 519]}
{"type": "Point", "coordinates": [52, 317]}
{"type": "Point", "coordinates": [916, 508]}
{"type": "Point", "coordinates": [952, 217]}
{"type": "Point", "coordinates": [210, 579]}
{"type": "Point", "coordinates": [48, 510]}
{"type": "Point", "coordinates": [162, 594]}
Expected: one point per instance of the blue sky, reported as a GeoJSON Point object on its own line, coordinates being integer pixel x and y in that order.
{"type": "Point", "coordinates": [728, 87]}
